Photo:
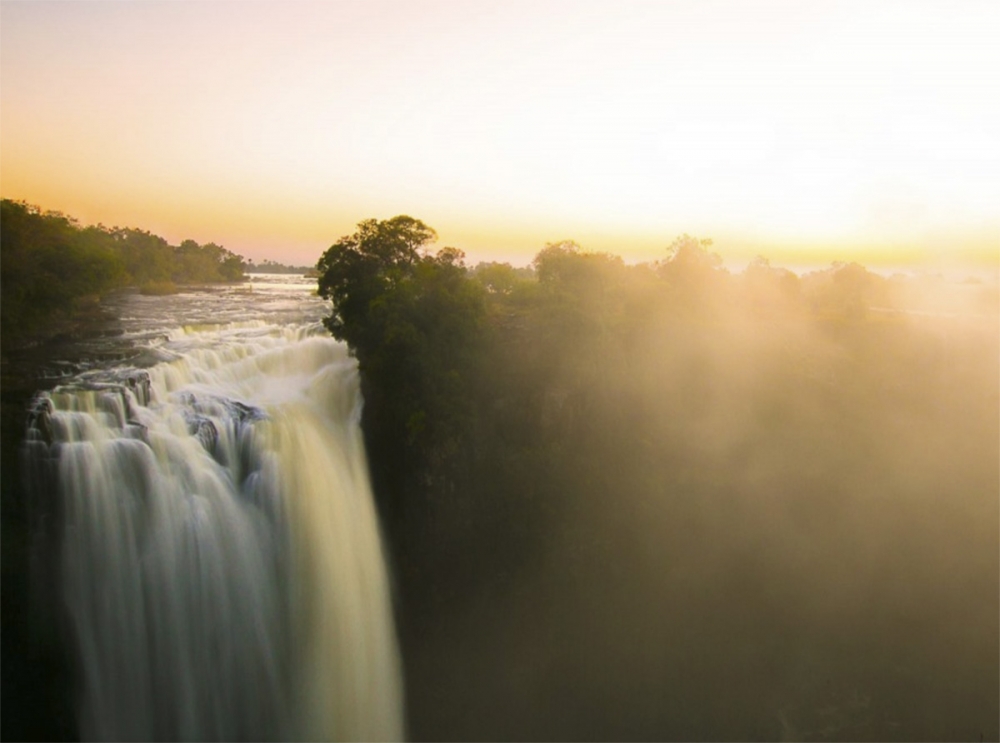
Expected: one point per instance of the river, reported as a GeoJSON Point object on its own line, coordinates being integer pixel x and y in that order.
{"type": "Point", "coordinates": [198, 472]}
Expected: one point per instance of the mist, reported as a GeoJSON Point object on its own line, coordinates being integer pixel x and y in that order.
{"type": "Point", "coordinates": [577, 500]}
{"type": "Point", "coordinates": [629, 491]}
{"type": "Point", "coordinates": [690, 504]}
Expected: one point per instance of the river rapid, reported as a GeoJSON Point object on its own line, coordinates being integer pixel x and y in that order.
{"type": "Point", "coordinates": [199, 476]}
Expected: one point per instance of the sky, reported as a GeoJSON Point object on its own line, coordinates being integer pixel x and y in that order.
{"type": "Point", "coordinates": [801, 131]}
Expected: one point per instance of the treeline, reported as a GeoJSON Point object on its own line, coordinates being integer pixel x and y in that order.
{"type": "Point", "coordinates": [269, 266]}
{"type": "Point", "coordinates": [665, 501]}
{"type": "Point", "coordinates": [54, 268]}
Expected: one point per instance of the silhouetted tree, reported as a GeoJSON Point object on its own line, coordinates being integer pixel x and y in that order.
{"type": "Point", "coordinates": [358, 269]}
{"type": "Point", "coordinates": [414, 322]}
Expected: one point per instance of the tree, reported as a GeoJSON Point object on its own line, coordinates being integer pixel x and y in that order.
{"type": "Point", "coordinates": [192, 262]}
{"type": "Point", "coordinates": [689, 258]}
{"type": "Point", "coordinates": [205, 263]}
{"type": "Point", "coordinates": [413, 321]}
{"type": "Point", "coordinates": [231, 266]}
{"type": "Point", "coordinates": [695, 276]}
{"type": "Point", "coordinates": [498, 278]}
{"type": "Point", "coordinates": [359, 268]}
{"type": "Point", "coordinates": [846, 290]}
{"type": "Point", "coordinates": [769, 289]}
{"type": "Point", "coordinates": [53, 268]}
{"type": "Point", "coordinates": [50, 267]}
{"type": "Point", "coordinates": [147, 257]}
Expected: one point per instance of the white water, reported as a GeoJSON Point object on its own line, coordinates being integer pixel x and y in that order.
{"type": "Point", "coordinates": [221, 563]}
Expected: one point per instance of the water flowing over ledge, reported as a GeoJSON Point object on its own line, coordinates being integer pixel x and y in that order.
{"type": "Point", "coordinates": [219, 554]}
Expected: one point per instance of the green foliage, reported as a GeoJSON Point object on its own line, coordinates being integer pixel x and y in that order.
{"type": "Point", "coordinates": [754, 471]}
{"type": "Point", "coordinates": [49, 267]}
{"type": "Point", "coordinates": [52, 268]}
{"type": "Point", "coordinates": [414, 322]}
{"type": "Point", "coordinates": [269, 266]}
{"type": "Point", "coordinates": [358, 269]}
{"type": "Point", "coordinates": [768, 290]}
{"type": "Point", "coordinates": [502, 278]}
{"type": "Point", "coordinates": [695, 276]}
{"type": "Point", "coordinates": [147, 257]}
{"type": "Point", "coordinates": [206, 263]}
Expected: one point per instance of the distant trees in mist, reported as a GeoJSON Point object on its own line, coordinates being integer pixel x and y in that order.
{"type": "Point", "coordinates": [667, 501]}
{"type": "Point", "coordinates": [269, 266]}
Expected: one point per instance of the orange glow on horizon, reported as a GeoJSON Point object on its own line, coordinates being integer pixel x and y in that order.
{"type": "Point", "coordinates": [799, 132]}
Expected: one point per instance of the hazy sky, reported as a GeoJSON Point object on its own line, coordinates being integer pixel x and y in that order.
{"type": "Point", "coordinates": [274, 127]}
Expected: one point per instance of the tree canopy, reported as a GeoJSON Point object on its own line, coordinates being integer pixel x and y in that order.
{"type": "Point", "coordinates": [413, 320]}
{"type": "Point", "coordinates": [358, 269]}
{"type": "Point", "coordinates": [611, 456]}
{"type": "Point", "coordinates": [52, 266]}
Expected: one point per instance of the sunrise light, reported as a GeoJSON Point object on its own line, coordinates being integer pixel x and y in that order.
{"type": "Point", "coordinates": [275, 127]}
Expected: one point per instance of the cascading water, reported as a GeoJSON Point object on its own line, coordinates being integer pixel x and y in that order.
{"type": "Point", "coordinates": [220, 562]}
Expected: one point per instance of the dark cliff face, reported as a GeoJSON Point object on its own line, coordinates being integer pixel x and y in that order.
{"type": "Point", "coordinates": [37, 675]}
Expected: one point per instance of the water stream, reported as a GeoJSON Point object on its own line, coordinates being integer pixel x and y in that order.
{"type": "Point", "coordinates": [219, 556]}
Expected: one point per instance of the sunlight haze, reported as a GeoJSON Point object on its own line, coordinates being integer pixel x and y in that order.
{"type": "Point", "coordinates": [801, 131]}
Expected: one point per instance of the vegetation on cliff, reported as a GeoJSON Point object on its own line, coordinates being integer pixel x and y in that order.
{"type": "Point", "coordinates": [669, 501]}
{"type": "Point", "coordinates": [54, 270]}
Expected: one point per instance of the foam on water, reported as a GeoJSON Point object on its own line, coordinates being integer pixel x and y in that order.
{"type": "Point", "coordinates": [220, 556]}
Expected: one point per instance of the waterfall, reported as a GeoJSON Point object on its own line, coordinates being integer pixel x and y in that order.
{"type": "Point", "coordinates": [219, 560]}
